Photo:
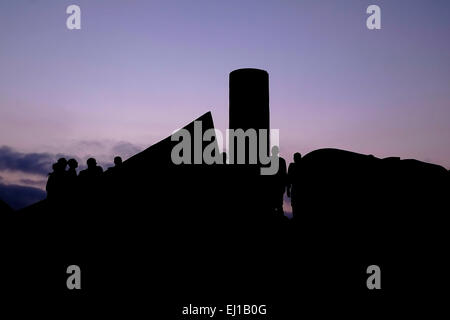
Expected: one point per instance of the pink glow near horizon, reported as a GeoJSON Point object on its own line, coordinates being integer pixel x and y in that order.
{"type": "Point", "coordinates": [135, 72]}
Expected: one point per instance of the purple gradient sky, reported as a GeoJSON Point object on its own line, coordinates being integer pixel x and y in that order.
{"type": "Point", "coordinates": [140, 69]}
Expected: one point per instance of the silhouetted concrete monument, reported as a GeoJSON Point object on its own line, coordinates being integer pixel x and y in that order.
{"type": "Point", "coordinates": [249, 101]}
{"type": "Point", "coordinates": [213, 227]}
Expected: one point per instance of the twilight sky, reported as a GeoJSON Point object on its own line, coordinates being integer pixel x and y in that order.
{"type": "Point", "coordinates": [139, 69]}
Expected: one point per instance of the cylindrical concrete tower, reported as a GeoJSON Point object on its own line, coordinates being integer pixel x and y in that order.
{"type": "Point", "coordinates": [249, 100]}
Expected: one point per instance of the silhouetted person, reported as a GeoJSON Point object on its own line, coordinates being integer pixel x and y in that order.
{"type": "Point", "coordinates": [72, 178]}
{"type": "Point", "coordinates": [117, 161]}
{"type": "Point", "coordinates": [57, 180]}
{"type": "Point", "coordinates": [279, 183]}
{"type": "Point", "coordinates": [117, 164]}
{"type": "Point", "coordinates": [72, 172]}
{"type": "Point", "coordinates": [92, 172]}
{"type": "Point", "coordinates": [114, 175]}
{"type": "Point", "coordinates": [117, 169]}
{"type": "Point", "coordinates": [114, 186]}
{"type": "Point", "coordinates": [89, 181]}
{"type": "Point", "coordinates": [51, 183]}
{"type": "Point", "coordinates": [62, 162]}
{"type": "Point", "coordinates": [294, 179]}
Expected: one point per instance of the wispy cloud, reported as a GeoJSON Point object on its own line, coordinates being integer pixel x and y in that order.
{"type": "Point", "coordinates": [23, 175]}
{"type": "Point", "coordinates": [35, 183]}
{"type": "Point", "coordinates": [38, 163]}
{"type": "Point", "coordinates": [125, 149]}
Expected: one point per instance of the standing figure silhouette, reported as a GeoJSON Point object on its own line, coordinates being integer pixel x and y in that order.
{"type": "Point", "coordinates": [293, 186]}
{"type": "Point", "coordinates": [72, 180]}
{"type": "Point", "coordinates": [56, 182]}
{"type": "Point", "coordinates": [279, 184]}
{"type": "Point", "coordinates": [92, 172]}
{"type": "Point", "coordinates": [117, 164]}
{"type": "Point", "coordinates": [89, 178]}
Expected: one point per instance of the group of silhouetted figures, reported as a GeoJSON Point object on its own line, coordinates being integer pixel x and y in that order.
{"type": "Point", "coordinates": [64, 182]}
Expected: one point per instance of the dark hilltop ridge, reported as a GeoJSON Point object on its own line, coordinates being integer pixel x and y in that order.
{"type": "Point", "coordinates": [4, 208]}
{"type": "Point", "coordinates": [208, 230]}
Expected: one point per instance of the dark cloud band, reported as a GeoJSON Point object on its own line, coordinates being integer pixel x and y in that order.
{"type": "Point", "coordinates": [38, 163]}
